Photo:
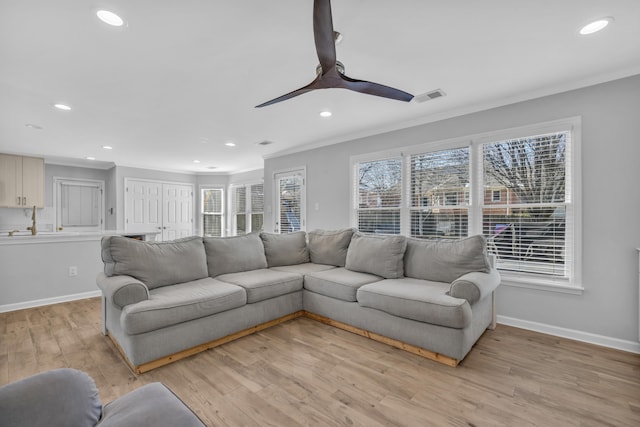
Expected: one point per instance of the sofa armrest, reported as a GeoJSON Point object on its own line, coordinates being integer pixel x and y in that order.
{"type": "Point", "coordinates": [475, 286]}
{"type": "Point", "coordinates": [122, 290]}
{"type": "Point", "coordinates": [60, 397]}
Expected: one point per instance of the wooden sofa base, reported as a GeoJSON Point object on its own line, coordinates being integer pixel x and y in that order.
{"type": "Point", "coordinates": [441, 358]}
{"type": "Point", "coordinates": [146, 367]}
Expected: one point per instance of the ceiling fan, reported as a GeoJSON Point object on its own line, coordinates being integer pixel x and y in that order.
{"type": "Point", "coordinates": [330, 72]}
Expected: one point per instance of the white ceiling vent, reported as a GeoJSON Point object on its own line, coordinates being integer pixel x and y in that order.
{"type": "Point", "coordinates": [429, 96]}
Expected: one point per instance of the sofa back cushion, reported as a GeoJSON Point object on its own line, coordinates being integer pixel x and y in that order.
{"type": "Point", "coordinates": [379, 255]}
{"type": "Point", "coordinates": [234, 254]}
{"type": "Point", "coordinates": [285, 249]}
{"type": "Point", "coordinates": [445, 261]}
{"type": "Point", "coordinates": [329, 246]}
{"type": "Point", "coordinates": [155, 263]}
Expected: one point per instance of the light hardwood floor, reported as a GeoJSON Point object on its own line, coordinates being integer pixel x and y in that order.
{"type": "Point", "coordinates": [306, 373]}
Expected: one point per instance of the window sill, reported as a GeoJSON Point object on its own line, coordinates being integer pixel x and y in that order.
{"type": "Point", "coordinates": [549, 285]}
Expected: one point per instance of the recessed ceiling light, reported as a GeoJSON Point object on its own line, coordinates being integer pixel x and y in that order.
{"type": "Point", "coordinates": [110, 18]}
{"type": "Point", "coordinates": [107, 147]}
{"type": "Point", "coordinates": [196, 161]}
{"type": "Point", "coordinates": [595, 26]}
{"type": "Point", "coordinates": [326, 113]}
{"type": "Point", "coordinates": [90, 158]}
{"type": "Point", "coordinates": [33, 126]}
{"type": "Point", "coordinates": [212, 167]}
{"type": "Point", "coordinates": [62, 107]}
{"type": "Point", "coordinates": [230, 144]}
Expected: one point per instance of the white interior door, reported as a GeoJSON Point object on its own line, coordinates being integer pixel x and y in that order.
{"type": "Point", "coordinates": [158, 206]}
{"type": "Point", "coordinates": [177, 205]}
{"type": "Point", "coordinates": [143, 206]}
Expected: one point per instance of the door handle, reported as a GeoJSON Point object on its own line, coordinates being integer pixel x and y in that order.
{"type": "Point", "coordinates": [24, 201]}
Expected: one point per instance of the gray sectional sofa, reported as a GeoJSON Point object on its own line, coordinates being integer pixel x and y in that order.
{"type": "Point", "coordinates": [163, 301]}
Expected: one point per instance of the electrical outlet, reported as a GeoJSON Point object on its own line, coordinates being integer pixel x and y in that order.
{"type": "Point", "coordinates": [73, 271]}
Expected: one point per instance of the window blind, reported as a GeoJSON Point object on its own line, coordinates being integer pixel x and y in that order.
{"type": "Point", "coordinates": [527, 225]}
{"type": "Point", "coordinates": [379, 196]}
{"type": "Point", "coordinates": [212, 213]}
{"type": "Point", "coordinates": [239, 208]}
{"type": "Point", "coordinates": [439, 192]}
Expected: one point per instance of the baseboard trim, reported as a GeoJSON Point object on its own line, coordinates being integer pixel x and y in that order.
{"type": "Point", "coordinates": [48, 301]}
{"type": "Point", "coordinates": [601, 340]}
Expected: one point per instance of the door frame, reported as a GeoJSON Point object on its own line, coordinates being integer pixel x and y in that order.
{"type": "Point", "coordinates": [128, 179]}
{"type": "Point", "coordinates": [296, 171]}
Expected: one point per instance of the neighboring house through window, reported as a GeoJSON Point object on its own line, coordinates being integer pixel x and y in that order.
{"type": "Point", "coordinates": [517, 187]}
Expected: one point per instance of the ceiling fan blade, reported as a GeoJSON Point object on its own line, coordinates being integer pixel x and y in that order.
{"type": "Point", "coordinates": [323, 34]}
{"type": "Point", "coordinates": [308, 88]}
{"type": "Point", "coordinates": [376, 89]}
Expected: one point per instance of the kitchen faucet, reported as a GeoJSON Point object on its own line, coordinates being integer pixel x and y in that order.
{"type": "Point", "coordinates": [33, 223]}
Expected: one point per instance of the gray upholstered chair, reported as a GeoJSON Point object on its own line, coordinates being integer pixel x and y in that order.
{"type": "Point", "coordinates": [69, 398]}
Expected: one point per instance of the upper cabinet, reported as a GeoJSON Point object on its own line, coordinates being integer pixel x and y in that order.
{"type": "Point", "coordinates": [21, 181]}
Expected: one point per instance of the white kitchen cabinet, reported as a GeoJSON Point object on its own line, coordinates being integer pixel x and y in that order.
{"type": "Point", "coordinates": [21, 181]}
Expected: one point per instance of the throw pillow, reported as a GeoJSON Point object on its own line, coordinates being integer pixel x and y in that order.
{"type": "Point", "coordinates": [379, 255]}
{"type": "Point", "coordinates": [285, 249]}
{"type": "Point", "coordinates": [234, 254]}
{"type": "Point", "coordinates": [329, 246]}
{"type": "Point", "coordinates": [155, 263]}
{"type": "Point", "coordinates": [445, 261]}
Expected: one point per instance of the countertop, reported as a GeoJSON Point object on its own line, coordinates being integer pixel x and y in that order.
{"type": "Point", "coordinates": [25, 237]}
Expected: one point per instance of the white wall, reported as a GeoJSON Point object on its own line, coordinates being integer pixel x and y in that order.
{"type": "Point", "coordinates": [34, 272]}
{"type": "Point", "coordinates": [610, 200]}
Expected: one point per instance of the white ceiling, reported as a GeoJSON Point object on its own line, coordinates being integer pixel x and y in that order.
{"type": "Point", "coordinates": [183, 77]}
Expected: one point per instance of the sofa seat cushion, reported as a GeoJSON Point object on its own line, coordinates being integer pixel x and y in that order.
{"type": "Point", "coordinates": [170, 305]}
{"type": "Point", "coordinates": [264, 283]}
{"type": "Point", "coordinates": [306, 268]}
{"type": "Point", "coordinates": [416, 299]}
{"type": "Point", "coordinates": [338, 283]}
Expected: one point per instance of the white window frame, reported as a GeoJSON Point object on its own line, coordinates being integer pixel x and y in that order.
{"type": "Point", "coordinates": [57, 200]}
{"type": "Point", "coordinates": [248, 212]}
{"type": "Point", "coordinates": [222, 211]}
{"type": "Point", "coordinates": [572, 283]}
{"type": "Point", "coordinates": [279, 174]}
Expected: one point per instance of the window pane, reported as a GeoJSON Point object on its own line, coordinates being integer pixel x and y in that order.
{"type": "Point", "coordinates": [241, 224]}
{"type": "Point", "coordinates": [440, 223]}
{"type": "Point", "coordinates": [212, 225]}
{"type": "Point", "coordinates": [531, 169]}
{"type": "Point", "coordinates": [257, 198]}
{"type": "Point", "coordinates": [440, 178]}
{"type": "Point", "coordinates": [290, 199]}
{"type": "Point", "coordinates": [239, 199]}
{"type": "Point", "coordinates": [380, 183]}
{"type": "Point", "coordinates": [257, 221]}
{"type": "Point", "coordinates": [380, 221]}
{"type": "Point", "coordinates": [212, 200]}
